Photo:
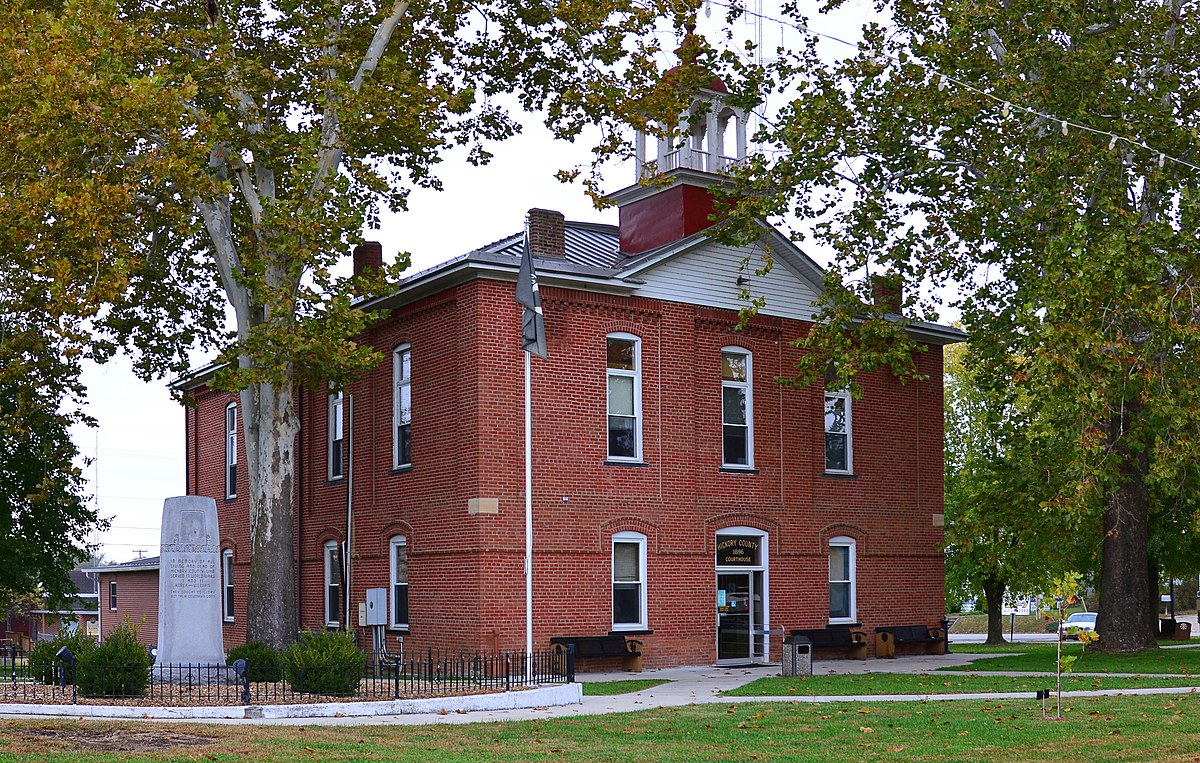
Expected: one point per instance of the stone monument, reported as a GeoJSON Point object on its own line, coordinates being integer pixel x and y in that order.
{"type": "Point", "coordinates": [189, 592]}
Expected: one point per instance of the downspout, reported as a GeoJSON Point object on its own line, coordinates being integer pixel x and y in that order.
{"type": "Point", "coordinates": [349, 504]}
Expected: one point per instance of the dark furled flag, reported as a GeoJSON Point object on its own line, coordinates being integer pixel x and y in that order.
{"type": "Point", "coordinates": [533, 325]}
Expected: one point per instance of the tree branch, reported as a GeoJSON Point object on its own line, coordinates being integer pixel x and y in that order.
{"type": "Point", "coordinates": [331, 133]}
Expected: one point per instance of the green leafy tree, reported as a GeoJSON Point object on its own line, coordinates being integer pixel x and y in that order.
{"type": "Point", "coordinates": [45, 517]}
{"type": "Point", "coordinates": [1043, 158]}
{"type": "Point", "coordinates": [1000, 536]}
{"type": "Point", "coordinates": [165, 160]}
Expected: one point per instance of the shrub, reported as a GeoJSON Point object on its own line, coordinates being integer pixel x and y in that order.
{"type": "Point", "coordinates": [44, 662]}
{"type": "Point", "coordinates": [263, 662]}
{"type": "Point", "coordinates": [118, 667]}
{"type": "Point", "coordinates": [324, 663]}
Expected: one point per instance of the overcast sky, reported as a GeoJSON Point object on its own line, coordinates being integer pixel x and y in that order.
{"type": "Point", "coordinates": [138, 446]}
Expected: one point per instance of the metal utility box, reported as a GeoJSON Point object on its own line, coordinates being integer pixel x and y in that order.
{"type": "Point", "coordinates": [797, 656]}
{"type": "Point", "coordinates": [376, 606]}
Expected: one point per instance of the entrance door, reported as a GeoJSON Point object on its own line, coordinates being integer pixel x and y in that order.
{"type": "Point", "coordinates": [734, 602]}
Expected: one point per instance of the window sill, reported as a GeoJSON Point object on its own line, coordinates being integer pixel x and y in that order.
{"type": "Point", "coordinates": [230, 498]}
{"type": "Point", "coordinates": [400, 469]}
{"type": "Point", "coordinates": [632, 632]}
{"type": "Point", "coordinates": [849, 623]}
{"type": "Point", "coordinates": [401, 629]}
{"type": "Point", "coordinates": [335, 480]}
{"type": "Point", "coordinates": [229, 620]}
{"type": "Point", "coordinates": [738, 470]}
{"type": "Point", "coordinates": [611, 462]}
{"type": "Point", "coordinates": [842, 475]}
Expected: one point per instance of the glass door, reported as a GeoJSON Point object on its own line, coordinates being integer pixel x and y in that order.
{"type": "Point", "coordinates": [735, 602]}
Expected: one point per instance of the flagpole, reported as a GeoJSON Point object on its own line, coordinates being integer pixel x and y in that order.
{"type": "Point", "coordinates": [528, 528]}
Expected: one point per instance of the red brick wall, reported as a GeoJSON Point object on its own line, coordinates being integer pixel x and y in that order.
{"type": "Point", "coordinates": [137, 599]}
{"type": "Point", "coordinates": [466, 587]}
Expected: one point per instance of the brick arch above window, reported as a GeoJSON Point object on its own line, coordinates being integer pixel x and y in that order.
{"type": "Point", "coordinates": [712, 525]}
{"type": "Point", "coordinates": [626, 524]}
{"type": "Point", "coordinates": [841, 529]}
{"type": "Point", "coordinates": [227, 544]}
{"type": "Point", "coordinates": [391, 530]}
{"type": "Point", "coordinates": [640, 330]}
{"type": "Point", "coordinates": [330, 534]}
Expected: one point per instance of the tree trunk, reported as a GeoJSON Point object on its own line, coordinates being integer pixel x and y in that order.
{"type": "Point", "coordinates": [993, 591]}
{"type": "Point", "coordinates": [1125, 611]}
{"type": "Point", "coordinates": [1152, 610]}
{"type": "Point", "coordinates": [270, 431]}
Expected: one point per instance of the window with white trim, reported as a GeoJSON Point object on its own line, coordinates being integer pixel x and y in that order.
{"type": "Point", "coordinates": [336, 436]}
{"type": "Point", "coordinates": [842, 594]}
{"type": "Point", "coordinates": [398, 553]}
{"type": "Point", "coordinates": [624, 360]}
{"type": "Point", "coordinates": [112, 595]}
{"type": "Point", "coordinates": [737, 408]}
{"type": "Point", "coordinates": [227, 584]}
{"type": "Point", "coordinates": [401, 407]}
{"type": "Point", "coordinates": [839, 453]}
{"type": "Point", "coordinates": [629, 581]}
{"type": "Point", "coordinates": [231, 450]}
{"type": "Point", "coordinates": [333, 584]}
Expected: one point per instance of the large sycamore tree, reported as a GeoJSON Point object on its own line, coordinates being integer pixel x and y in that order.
{"type": "Point", "coordinates": [168, 163]}
{"type": "Point", "coordinates": [1042, 158]}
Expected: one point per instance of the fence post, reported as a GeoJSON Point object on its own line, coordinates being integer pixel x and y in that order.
{"type": "Point", "coordinates": [570, 663]}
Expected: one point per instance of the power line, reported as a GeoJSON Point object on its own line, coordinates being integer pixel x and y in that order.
{"type": "Point", "coordinates": [1007, 106]}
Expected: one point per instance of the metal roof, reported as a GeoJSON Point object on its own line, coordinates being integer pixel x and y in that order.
{"type": "Point", "coordinates": [136, 565]}
{"type": "Point", "coordinates": [591, 244]}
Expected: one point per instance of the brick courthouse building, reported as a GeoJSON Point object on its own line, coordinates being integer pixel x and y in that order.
{"type": "Point", "coordinates": [679, 492]}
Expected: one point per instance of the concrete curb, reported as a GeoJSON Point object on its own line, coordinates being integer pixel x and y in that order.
{"type": "Point", "coordinates": [542, 696]}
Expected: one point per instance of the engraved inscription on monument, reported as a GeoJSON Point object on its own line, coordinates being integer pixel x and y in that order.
{"type": "Point", "coordinates": [189, 584]}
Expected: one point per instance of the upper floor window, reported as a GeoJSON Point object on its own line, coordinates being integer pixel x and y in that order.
{"type": "Point", "coordinates": [231, 450]}
{"type": "Point", "coordinates": [842, 606]}
{"type": "Point", "coordinates": [629, 581]}
{"type": "Point", "coordinates": [839, 456]}
{"type": "Point", "coordinates": [333, 584]}
{"type": "Point", "coordinates": [399, 561]}
{"type": "Point", "coordinates": [624, 397]}
{"type": "Point", "coordinates": [401, 407]}
{"type": "Point", "coordinates": [227, 584]}
{"type": "Point", "coordinates": [336, 436]}
{"type": "Point", "coordinates": [737, 408]}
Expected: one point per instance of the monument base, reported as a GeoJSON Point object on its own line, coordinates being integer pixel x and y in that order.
{"type": "Point", "coordinates": [195, 674]}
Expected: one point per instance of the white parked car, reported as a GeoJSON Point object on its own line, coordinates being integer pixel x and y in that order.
{"type": "Point", "coordinates": [1079, 621]}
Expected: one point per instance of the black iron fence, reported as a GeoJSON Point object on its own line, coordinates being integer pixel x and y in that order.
{"type": "Point", "coordinates": [431, 673]}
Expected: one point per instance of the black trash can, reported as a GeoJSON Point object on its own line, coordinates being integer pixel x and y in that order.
{"type": "Point", "coordinates": [797, 656]}
{"type": "Point", "coordinates": [1166, 627]}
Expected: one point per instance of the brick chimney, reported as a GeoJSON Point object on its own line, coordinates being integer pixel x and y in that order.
{"type": "Point", "coordinates": [367, 256]}
{"type": "Point", "coordinates": [888, 291]}
{"type": "Point", "coordinates": [547, 233]}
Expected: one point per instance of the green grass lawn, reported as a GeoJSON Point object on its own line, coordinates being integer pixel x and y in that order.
{"type": "Point", "coordinates": [936, 683]}
{"type": "Point", "coordinates": [1040, 657]}
{"type": "Point", "coordinates": [1096, 729]}
{"type": "Point", "coordinates": [609, 688]}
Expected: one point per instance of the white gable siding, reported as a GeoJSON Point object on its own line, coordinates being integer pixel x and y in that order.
{"type": "Point", "coordinates": [708, 276]}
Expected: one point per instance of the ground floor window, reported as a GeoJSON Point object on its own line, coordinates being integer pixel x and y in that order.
{"type": "Point", "coordinates": [227, 583]}
{"type": "Point", "coordinates": [629, 581]}
{"type": "Point", "coordinates": [333, 584]}
{"type": "Point", "coordinates": [399, 562]}
{"type": "Point", "coordinates": [842, 607]}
